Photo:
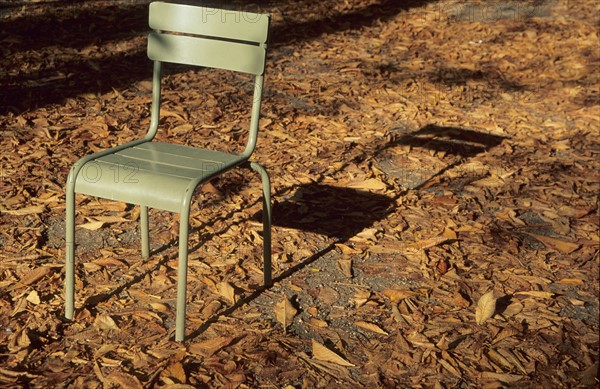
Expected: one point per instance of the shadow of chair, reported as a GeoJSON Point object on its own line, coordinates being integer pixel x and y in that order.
{"type": "Point", "coordinates": [332, 211]}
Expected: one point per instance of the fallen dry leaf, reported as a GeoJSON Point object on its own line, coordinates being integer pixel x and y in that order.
{"type": "Point", "coordinates": [317, 322]}
{"type": "Point", "coordinates": [486, 307]}
{"type": "Point", "coordinates": [369, 184]}
{"type": "Point", "coordinates": [512, 309]}
{"type": "Point", "coordinates": [175, 371]}
{"type": "Point", "coordinates": [226, 290]}
{"type": "Point", "coordinates": [33, 297]}
{"type": "Point", "coordinates": [109, 261]}
{"type": "Point", "coordinates": [361, 297]}
{"type": "Point", "coordinates": [92, 226]}
{"type": "Point", "coordinates": [430, 242]}
{"type": "Point", "coordinates": [450, 368]}
{"type": "Point", "coordinates": [347, 250]}
{"type": "Point", "coordinates": [105, 322]}
{"type": "Point", "coordinates": [345, 266]}
{"type": "Point", "coordinates": [503, 377]}
{"type": "Point", "coordinates": [210, 346]}
{"type": "Point", "coordinates": [33, 276]}
{"type": "Point", "coordinates": [504, 334]}
{"type": "Point", "coordinates": [160, 307]}
{"type": "Point", "coordinates": [589, 376]}
{"type": "Point", "coordinates": [536, 293]}
{"type": "Point", "coordinates": [322, 353]}
{"type": "Point", "coordinates": [397, 295]}
{"type": "Point", "coordinates": [124, 380]}
{"type": "Point", "coordinates": [285, 312]}
{"type": "Point", "coordinates": [560, 245]}
{"type": "Point", "coordinates": [371, 327]}
{"type": "Point", "coordinates": [25, 211]}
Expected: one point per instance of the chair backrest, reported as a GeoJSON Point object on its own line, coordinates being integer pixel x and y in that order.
{"type": "Point", "coordinates": [208, 37]}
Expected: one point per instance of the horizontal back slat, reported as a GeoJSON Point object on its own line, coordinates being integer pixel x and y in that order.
{"type": "Point", "coordinates": [236, 25]}
{"type": "Point", "coordinates": [206, 52]}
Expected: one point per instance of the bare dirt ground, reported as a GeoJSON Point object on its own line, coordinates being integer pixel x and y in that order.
{"type": "Point", "coordinates": [435, 192]}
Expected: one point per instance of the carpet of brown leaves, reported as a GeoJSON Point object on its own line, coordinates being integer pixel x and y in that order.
{"type": "Point", "coordinates": [435, 171]}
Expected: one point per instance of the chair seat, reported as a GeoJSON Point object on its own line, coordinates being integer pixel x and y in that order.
{"type": "Point", "coordinates": [153, 174]}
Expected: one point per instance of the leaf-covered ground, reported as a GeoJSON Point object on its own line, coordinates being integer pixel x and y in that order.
{"type": "Point", "coordinates": [435, 176]}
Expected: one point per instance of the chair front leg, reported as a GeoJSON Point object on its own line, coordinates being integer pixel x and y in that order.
{"type": "Point", "coordinates": [266, 187]}
{"type": "Point", "coordinates": [70, 252]}
{"type": "Point", "coordinates": [182, 271]}
{"type": "Point", "coordinates": [144, 231]}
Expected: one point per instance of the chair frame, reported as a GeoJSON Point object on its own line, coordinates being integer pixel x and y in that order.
{"type": "Point", "coordinates": [241, 161]}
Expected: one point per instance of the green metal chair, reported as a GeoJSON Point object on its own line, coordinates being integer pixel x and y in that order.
{"type": "Point", "coordinates": [162, 175]}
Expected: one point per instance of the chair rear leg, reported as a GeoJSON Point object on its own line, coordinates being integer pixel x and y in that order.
{"type": "Point", "coordinates": [182, 273]}
{"type": "Point", "coordinates": [70, 253]}
{"type": "Point", "coordinates": [266, 187]}
{"type": "Point", "coordinates": [144, 231]}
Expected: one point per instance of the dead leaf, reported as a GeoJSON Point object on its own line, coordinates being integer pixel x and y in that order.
{"type": "Point", "coordinates": [33, 297]}
{"type": "Point", "coordinates": [361, 297]}
{"type": "Point", "coordinates": [368, 234]}
{"type": "Point", "coordinates": [209, 347]}
{"type": "Point", "coordinates": [570, 281]}
{"type": "Point", "coordinates": [345, 266]}
{"type": "Point", "coordinates": [513, 308]}
{"type": "Point", "coordinates": [459, 300]}
{"type": "Point", "coordinates": [489, 182]}
{"type": "Point", "coordinates": [124, 380]}
{"type": "Point", "coordinates": [486, 307]}
{"type": "Point", "coordinates": [109, 262]}
{"type": "Point", "coordinates": [92, 226]}
{"type": "Point", "coordinates": [536, 293]}
{"type": "Point", "coordinates": [109, 219]}
{"type": "Point", "coordinates": [181, 129]}
{"type": "Point", "coordinates": [160, 307]}
{"type": "Point", "coordinates": [429, 242]}
{"type": "Point", "coordinates": [329, 295]}
{"type": "Point", "coordinates": [418, 339]}
{"type": "Point", "coordinates": [175, 371]}
{"type": "Point", "coordinates": [20, 306]}
{"type": "Point", "coordinates": [33, 276]}
{"type": "Point", "coordinates": [369, 184]}
{"type": "Point", "coordinates": [503, 377]}
{"type": "Point", "coordinates": [589, 377]}
{"type": "Point", "coordinates": [560, 245]}
{"type": "Point", "coordinates": [317, 322]}
{"type": "Point", "coordinates": [504, 334]}
{"type": "Point", "coordinates": [371, 327]}
{"type": "Point", "coordinates": [105, 322]}
{"type": "Point", "coordinates": [24, 211]}
{"type": "Point", "coordinates": [226, 290]}
{"type": "Point", "coordinates": [397, 295]}
{"type": "Point", "coordinates": [449, 233]}
{"type": "Point", "coordinates": [285, 312]}
{"type": "Point", "coordinates": [322, 353]}
{"type": "Point", "coordinates": [346, 250]}
{"type": "Point", "coordinates": [208, 187]}
{"type": "Point", "coordinates": [450, 368]}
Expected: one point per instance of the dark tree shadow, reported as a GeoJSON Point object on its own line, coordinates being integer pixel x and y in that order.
{"type": "Point", "coordinates": [51, 79]}
{"type": "Point", "coordinates": [352, 20]}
